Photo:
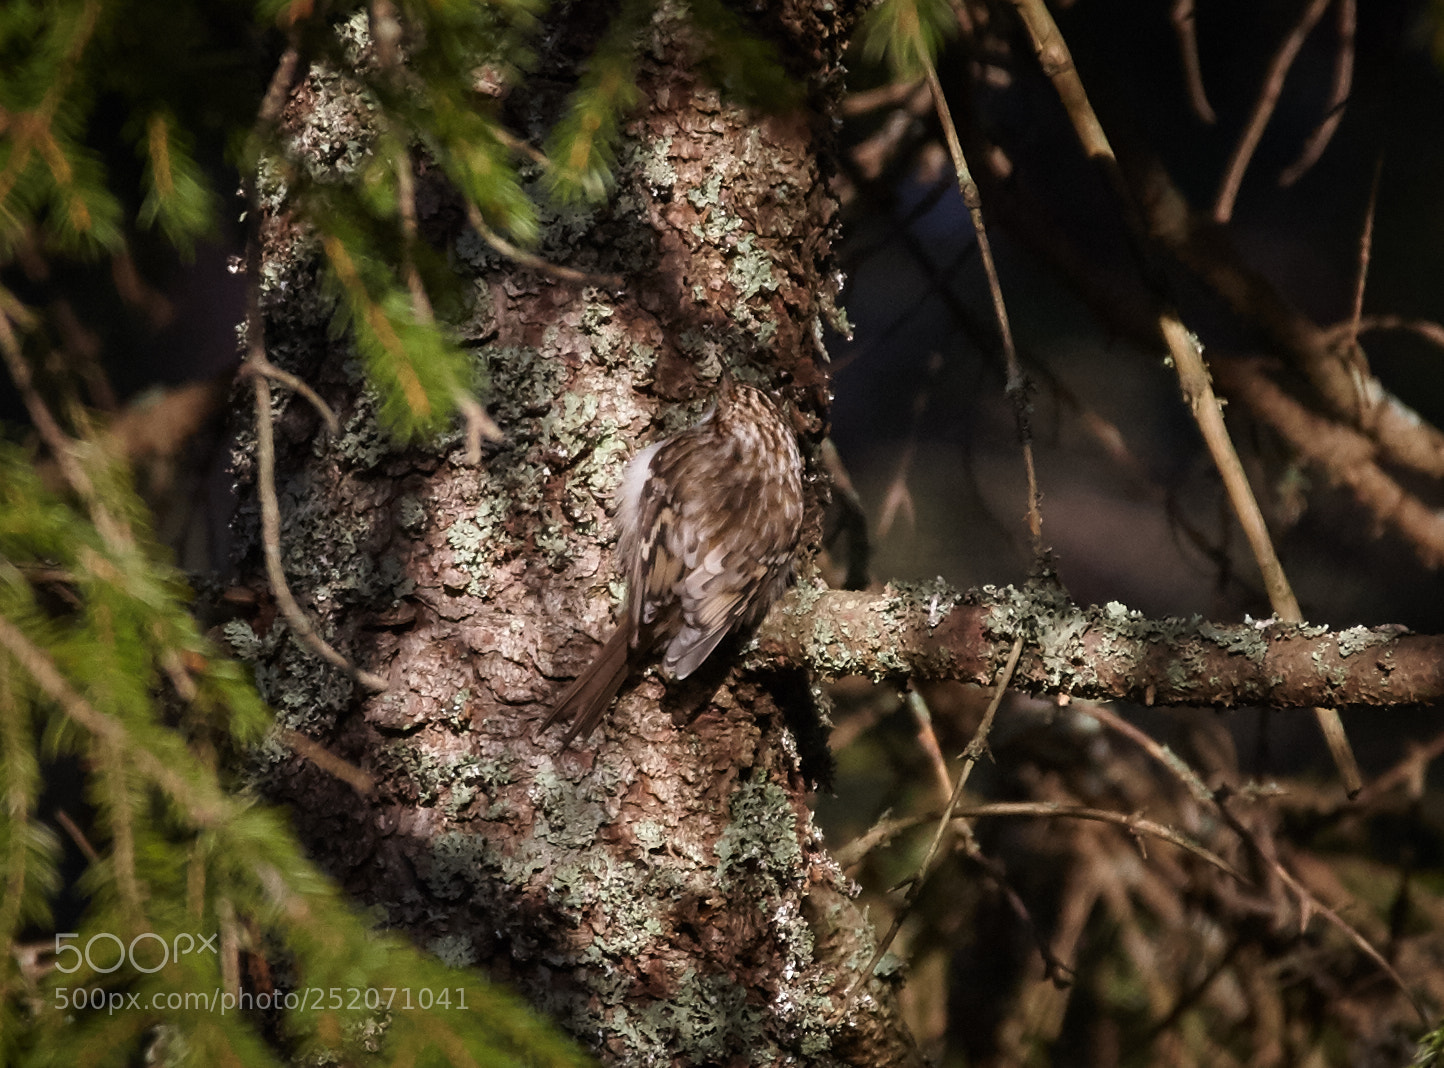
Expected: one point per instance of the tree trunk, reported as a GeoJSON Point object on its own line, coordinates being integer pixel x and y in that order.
{"type": "Point", "coordinates": [660, 889]}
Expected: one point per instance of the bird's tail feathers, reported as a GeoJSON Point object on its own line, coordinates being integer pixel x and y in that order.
{"type": "Point", "coordinates": [590, 695]}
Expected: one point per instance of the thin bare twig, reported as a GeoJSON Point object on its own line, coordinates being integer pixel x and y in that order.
{"type": "Point", "coordinates": [1018, 386]}
{"type": "Point", "coordinates": [1338, 96]}
{"type": "Point", "coordinates": [1366, 247]}
{"type": "Point", "coordinates": [304, 745]}
{"type": "Point", "coordinates": [1187, 354]}
{"type": "Point", "coordinates": [1182, 16]}
{"type": "Point", "coordinates": [258, 364]}
{"type": "Point", "coordinates": [971, 755]}
{"type": "Point", "coordinates": [928, 739]}
{"type": "Point", "coordinates": [76, 835]}
{"type": "Point", "coordinates": [301, 625]}
{"type": "Point", "coordinates": [520, 147]}
{"type": "Point", "coordinates": [1428, 329]}
{"type": "Point", "coordinates": [1268, 98]}
{"type": "Point", "coordinates": [535, 262]}
{"type": "Point", "coordinates": [1132, 822]}
{"type": "Point", "coordinates": [1176, 765]}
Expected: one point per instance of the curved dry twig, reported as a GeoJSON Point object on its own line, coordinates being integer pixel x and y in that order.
{"type": "Point", "coordinates": [258, 364]}
{"type": "Point", "coordinates": [1427, 329]}
{"type": "Point", "coordinates": [1187, 354]}
{"type": "Point", "coordinates": [1268, 98]}
{"type": "Point", "coordinates": [305, 631]}
{"type": "Point", "coordinates": [976, 748]}
{"type": "Point", "coordinates": [1176, 765]}
{"type": "Point", "coordinates": [1017, 387]}
{"type": "Point", "coordinates": [1182, 16]}
{"type": "Point", "coordinates": [886, 830]}
{"type": "Point", "coordinates": [1343, 84]}
{"type": "Point", "coordinates": [535, 262]}
{"type": "Point", "coordinates": [300, 622]}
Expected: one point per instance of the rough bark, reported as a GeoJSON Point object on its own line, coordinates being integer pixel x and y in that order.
{"type": "Point", "coordinates": [662, 891]}
{"type": "Point", "coordinates": [1109, 653]}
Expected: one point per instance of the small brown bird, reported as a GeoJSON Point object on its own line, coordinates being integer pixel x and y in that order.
{"type": "Point", "coordinates": [707, 525]}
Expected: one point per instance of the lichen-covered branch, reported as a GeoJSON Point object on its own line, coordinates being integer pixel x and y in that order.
{"type": "Point", "coordinates": [935, 632]}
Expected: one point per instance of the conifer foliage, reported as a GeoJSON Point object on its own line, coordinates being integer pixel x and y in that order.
{"type": "Point", "coordinates": [124, 122]}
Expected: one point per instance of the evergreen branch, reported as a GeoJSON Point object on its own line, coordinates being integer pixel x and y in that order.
{"type": "Point", "coordinates": [56, 58]}
{"type": "Point", "coordinates": [179, 198]}
{"type": "Point", "coordinates": [61, 446]}
{"type": "Point", "coordinates": [416, 369]}
{"type": "Point", "coordinates": [119, 816]}
{"type": "Point", "coordinates": [28, 847]}
{"type": "Point", "coordinates": [18, 766]}
{"type": "Point", "coordinates": [744, 65]}
{"type": "Point", "coordinates": [907, 34]}
{"type": "Point", "coordinates": [471, 153]}
{"type": "Point", "coordinates": [200, 800]}
{"type": "Point", "coordinates": [582, 147]}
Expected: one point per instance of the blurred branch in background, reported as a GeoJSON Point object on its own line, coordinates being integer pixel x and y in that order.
{"type": "Point", "coordinates": [1153, 958]}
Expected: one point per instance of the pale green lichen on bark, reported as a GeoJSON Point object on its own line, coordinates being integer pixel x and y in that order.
{"type": "Point", "coordinates": [1242, 641]}
{"type": "Point", "coordinates": [653, 161]}
{"type": "Point", "coordinates": [761, 839]}
{"type": "Point", "coordinates": [455, 951]}
{"type": "Point", "coordinates": [710, 1019]}
{"type": "Point", "coordinates": [751, 269]}
{"type": "Point", "coordinates": [456, 863]}
{"type": "Point", "coordinates": [1361, 639]}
